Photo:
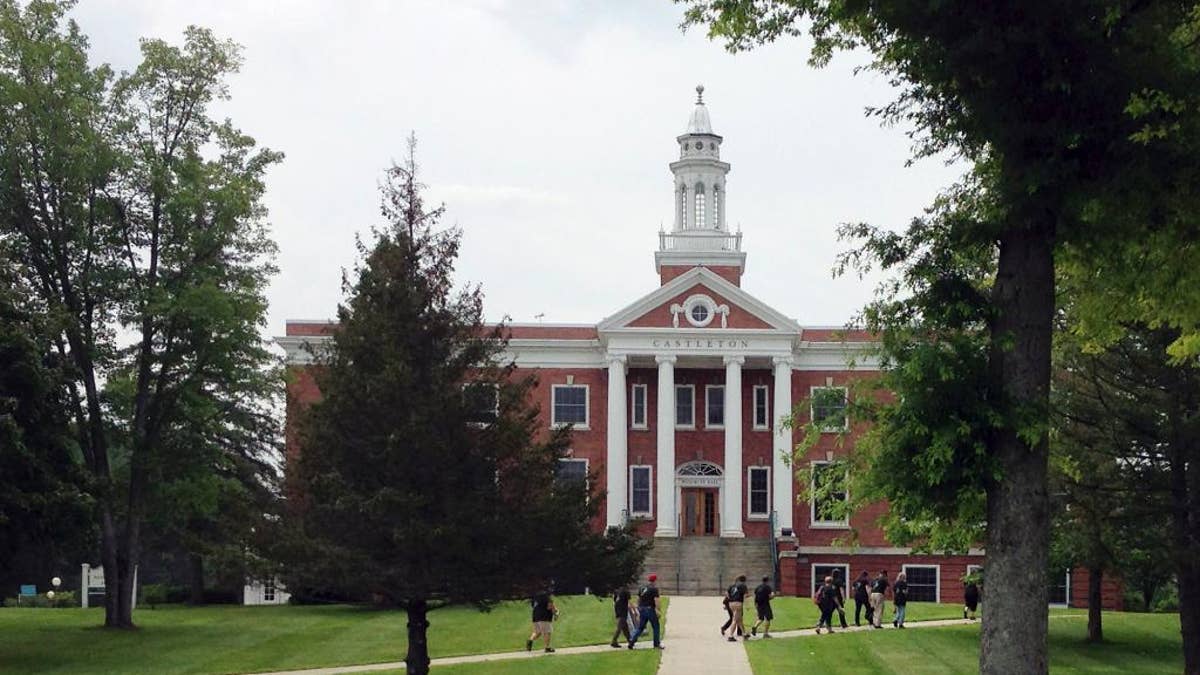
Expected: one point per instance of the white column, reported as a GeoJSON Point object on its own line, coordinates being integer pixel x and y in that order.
{"type": "Point", "coordinates": [618, 442]}
{"type": "Point", "coordinates": [731, 513]}
{"type": "Point", "coordinates": [668, 526]}
{"type": "Point", "coordinates": [782, 471]}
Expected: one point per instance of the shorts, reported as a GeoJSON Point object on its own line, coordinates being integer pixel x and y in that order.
{"type": "Point", "coordinates": [764, 612]}
{"type": "Point", "coordinates": [543, 627]}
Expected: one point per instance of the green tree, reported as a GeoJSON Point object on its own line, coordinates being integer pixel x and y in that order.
{"type": "Point", "coordinates": [139, 221]}
{"type": "Point", "coordinates": [426, 476]}
{"type": "Point", "coordinates": [1077, 111]}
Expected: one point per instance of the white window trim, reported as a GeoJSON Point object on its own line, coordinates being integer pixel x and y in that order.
{"type": "Point", "coordinates": [676, 414]}
{"type": "Point", "coordinates": [971, 569]}
{"type": "Point", "coordinates": [750, 515]}
{"type": "Point", "coordinates": [586, 468]}
{"type": "Point", "coordinates": [644, 515]}
{"type": "Point", "coordinates": [1068, 587]}
{"type": "Point", "coordinates": [812, 574]}
{"type": "Point", "coordinates": [587, 407]}
{"type": "Point", "coordinates": [645, 407]}
{"type": "Point", "coordinates": [766, 390]}
{"type": "Point", "coordinates": [812, 504]}
{"type": "Point", "coordinates": [699, 299]}
{"type": "Point", "coordinates": [937, 591]}
{"type": "Point", "coordinates": [708, 389]}
{"type": "Point", "coordinates": [812, 392]}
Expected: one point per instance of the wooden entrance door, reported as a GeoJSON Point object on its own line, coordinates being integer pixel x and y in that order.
{"type": "Point", "coordinates": [700, 512]}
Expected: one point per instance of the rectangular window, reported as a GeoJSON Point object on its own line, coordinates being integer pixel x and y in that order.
{"type": "Point", "coordinates": [570, 405]}
{"type": "Point", "coordinates": [762, 415]}
{"type": "Point", "coordinates": [819, 572]}
{"type": "Point", "coordinates": [759, 502]}
{"type": "Point", "coordinates": [571, 470]}
{"type": "Point", "coordinates": [829, 408]}
{"type": "Point", "coordinates": [638, 401]}
{"type": "Point", "coordinates": [685, 405]}
{"type": "Point", "coordinates": [1060, 587]}
{"type": "Point", "coordinates": [482, 402]}
{"type": "Point", "coordinates": [922, 583]}
{"type": "Point", "coordinates": [269, 590]}
{"type": "Point", "coordinates": [714, 397]}
{"type": "Point", "coordinates": [829, 496]}
{"type": "Point", "coordinates": [640, 482]}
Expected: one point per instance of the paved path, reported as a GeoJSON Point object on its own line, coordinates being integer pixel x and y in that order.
{"type": "Point", "coordinates": [693, 643]}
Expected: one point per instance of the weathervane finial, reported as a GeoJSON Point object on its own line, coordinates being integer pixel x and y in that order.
{"type": "Point", "coordinates": [699, 94]}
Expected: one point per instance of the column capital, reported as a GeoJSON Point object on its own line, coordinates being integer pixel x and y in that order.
{"type": "Point", "coordinates": [665, 358]}
{"type": "Point", "coordinates": [782, 361]}
{"type": "Point", "coordinates": [614, 359]}
{"type": "Point", "coordinates": [732, 359]}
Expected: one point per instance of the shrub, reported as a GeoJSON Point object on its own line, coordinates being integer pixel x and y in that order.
{"type": "Point", "coordinates": [61, 599]}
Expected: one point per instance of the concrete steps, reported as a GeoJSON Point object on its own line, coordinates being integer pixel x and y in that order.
{"type": "Point", "coordinates": [707, 565]}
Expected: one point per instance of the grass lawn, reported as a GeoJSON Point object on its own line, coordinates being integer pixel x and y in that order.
{"type": "Point", "coordinates": [1136, 643]}
{"type": "Point", "coordinates": [637, 662]}
{"type": "Point", "coordinates": [793, 613]}
{"type": "Point", "coordinates": [234, 639]}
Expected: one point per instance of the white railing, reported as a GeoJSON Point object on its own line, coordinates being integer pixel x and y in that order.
{"type": "Point", "coordinates": [699, 240]}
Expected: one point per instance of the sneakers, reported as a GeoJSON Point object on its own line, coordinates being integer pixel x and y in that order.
{"type": "Point", "coordinates": [659, 647]}
{"type": "Point", "coordinates": [754, 631]}
{"type": "Point", "coordinates": [630, 645]}
{"type": "Point", "coordinates": [964, 613]}
{"type": "Point", "coordinates": [529, 645]}
{"type": "Point", "coordinates": [615, 646]}
{"type": "Point", "coordinates": [549, 650]}
{"type": "Point", "coordinates": [766, 636]}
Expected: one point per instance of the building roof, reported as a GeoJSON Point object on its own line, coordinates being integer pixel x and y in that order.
{"type": "Point", "coordinates": [699, 123]}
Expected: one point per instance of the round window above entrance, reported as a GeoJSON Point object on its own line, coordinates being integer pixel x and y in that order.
{"type": "Point", "coordinates": [699, 310]}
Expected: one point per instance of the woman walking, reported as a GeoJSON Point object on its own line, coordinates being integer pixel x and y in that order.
{"type": "Point", "coordinates": [899, 599]}
{"type": "Point", "coordinates": [826, 599]}
{"type": "Point", "coordinates": [970, 598]}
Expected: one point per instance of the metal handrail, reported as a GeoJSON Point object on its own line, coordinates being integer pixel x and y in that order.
{"type": "Point", "coordinates": [700, 240]}
{"type": "Point", "coordinates": [678, 553]}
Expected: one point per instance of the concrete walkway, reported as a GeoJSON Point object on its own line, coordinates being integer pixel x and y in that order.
{"type": "Point", "coordinates": [694, 644]}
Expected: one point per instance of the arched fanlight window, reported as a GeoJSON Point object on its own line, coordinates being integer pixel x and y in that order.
{"type": "Point", "coordinates": [700, 205]}
{"type": "Point", "coordinates": [716, 207]}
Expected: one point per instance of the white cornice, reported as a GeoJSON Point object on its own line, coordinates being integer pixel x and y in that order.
{"type": "Point", "coordinates": [297, 347]}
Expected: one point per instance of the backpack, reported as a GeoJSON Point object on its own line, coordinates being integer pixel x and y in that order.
{"type": "Point", "coordinates": [731, 592]}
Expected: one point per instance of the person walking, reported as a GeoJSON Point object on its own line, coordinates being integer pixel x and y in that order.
{"type": "Point", "coordinates": [899, 599]}
{"type": "Point", "coordinates": [737, 596]}
{"type": "Point", "coordinates": [621, 610]}
{"type": "Point", "coordinates": [878, 590]}
{"type": "Point", "coordinates": [862, 597]}
{"type": "Point", "coordinates": [729, 614]}
{"type": "Point", "coordinates": [840, 584]}
{"type": "Point", "coordinates": [544, 613]}
{"type": "Point", "coordinates": [826, 599]}
{"type": "Point", "coordinates": [648, 601]}
{"type": "Point", "coordinates": [762, 607]}
{"type": "Point", "coordinates": [970, 597]}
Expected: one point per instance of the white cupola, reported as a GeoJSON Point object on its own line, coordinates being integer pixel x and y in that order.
{"type": "Point", "coordinates": [700, 235]}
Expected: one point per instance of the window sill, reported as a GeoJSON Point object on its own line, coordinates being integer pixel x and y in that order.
{"type": "Point", "coordinates": [641, 428]}
{"type": "Point", "coordinates": [574, 427]}
{"type": "Point", "coordinates": [762, 518]}
{"type": "Point", "coordinates": [834, 430]}
{"type": "Point", "coordinates": [714, 427]}
{"type": "Point", "coordinates": [685, 427]}
{"type": "Point", "coordinates": [829, 526]}
{"type": "Point", "coordinates": [641, 516]}
{"type": "Point", "coordinates": [760, 428]}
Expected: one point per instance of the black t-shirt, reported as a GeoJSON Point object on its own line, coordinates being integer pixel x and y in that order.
{"type": "Point", "coordinates": [828, 595]}
{"type": "Point", "coordinates": [621, 602]}
{"type": "Point", "coordinates": [646, 596]}
{"type": "Point", "coordinates": [971, 592]}
{"type": "Point", "coordinates": [762, 594]}
{"type": "Point", "coordinates": [860, 588]}
{"type": "Point", "coordinates": [541, 607]}
{"type": "Point", "coordinates": [840, 586]}
{"type": "Point", "coordinates": [737, 592]}
{"type": "Point", "coordinates": [879, 586]}
{"type": "Point", "coordinates": [900, 592]}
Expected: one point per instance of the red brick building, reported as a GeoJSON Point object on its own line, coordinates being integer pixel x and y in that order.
{"type": "Point", "coordinates": [676, 401]}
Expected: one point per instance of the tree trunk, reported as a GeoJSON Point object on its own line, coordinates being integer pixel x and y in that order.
{"type": "Point", "coordinates": [112, 569]}
{"type": "Point", "coordinates": [1018, 523]}
{"type": "Point", "coordinates": [1189, 617]}
{"type": "Point", "coordinates": [1184, 462]}
{"type": "Point", "coordinates": [196, 578]}
{"type": "Point", "coordinates": [1095, 604]}
{"type": "Point", "coordinates": [417, 660]}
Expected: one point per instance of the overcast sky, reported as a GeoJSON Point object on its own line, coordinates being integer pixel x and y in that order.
{"type": "Point", "coordinates": [546, 128]}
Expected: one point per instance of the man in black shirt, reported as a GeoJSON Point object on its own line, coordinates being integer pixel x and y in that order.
{"type": "Point", "coordinates": [862, 597]}
{"type": "Point", "coordinates": [544, 613]}
{"type": "Point", "coordinates": [840, 584]}
{"type": "Point", "coordinates": [878, 589]}
{"type": "Point", "coordinates": [762, 606]}
{"type": "Point", "coordinates": [737, 595]}
{"type": "Point", "coordinates": [648, 598]}
{"type": "Point", "coordinates": [621, 610]}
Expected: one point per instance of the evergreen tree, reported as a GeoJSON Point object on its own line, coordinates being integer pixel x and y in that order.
{"type": "Point", "coordinates": [425, 475]}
